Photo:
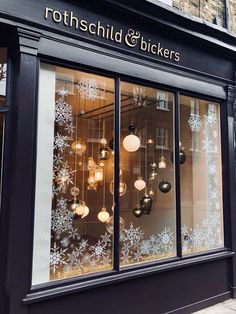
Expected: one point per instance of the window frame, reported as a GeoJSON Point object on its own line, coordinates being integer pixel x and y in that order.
{"type": "Point", "coordinates": [84, 282]}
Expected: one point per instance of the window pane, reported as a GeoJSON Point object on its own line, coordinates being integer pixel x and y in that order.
{"type": "Point", "coordinates": [76, 110]}
{"type": "Point", "coordinates": [3, 75]}
{"type": "Point", "coordinates": [146, 175]}
{"type": "Point", "coordinates": [201, 175]}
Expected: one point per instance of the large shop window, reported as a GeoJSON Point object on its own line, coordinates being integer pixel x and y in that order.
{"type": "Point", "coordinates": [75, 183]}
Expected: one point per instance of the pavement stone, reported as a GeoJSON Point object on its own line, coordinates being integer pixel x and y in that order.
{"type": "Point", "coordinates": [226, 307]}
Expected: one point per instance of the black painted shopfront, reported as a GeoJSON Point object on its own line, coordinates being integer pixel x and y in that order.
{"type": "Point", "coordinates": [118, 159]}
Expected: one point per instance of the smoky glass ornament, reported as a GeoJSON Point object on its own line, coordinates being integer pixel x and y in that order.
{"type": "Point", "coordinates": [137, 211]}
{"type": "Point", "coordinates": [164, 186]}
{"type": "Point", "coordinates": [146, 204]}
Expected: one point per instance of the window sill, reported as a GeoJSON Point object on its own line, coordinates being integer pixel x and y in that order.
{"type": "Point", "coordinates": [114, 277]}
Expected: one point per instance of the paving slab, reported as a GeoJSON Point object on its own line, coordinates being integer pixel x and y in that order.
{"type": "Point", "coordinates": [226, 307]}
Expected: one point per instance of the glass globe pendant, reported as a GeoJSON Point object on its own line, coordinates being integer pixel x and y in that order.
{"type": "Point", "coordinates": [109, 224]}
{"type": "Point", "coordinates": [162, 163]}
{"type": "Point", "coordinates": [78, 147]}
{"type": "Point", "coordinates": [86, 211]}
{"type": "Point", "coordinates": [103, 215]}
{"type": "Point", "coordinates": [131, 142]}
{"type": "Point", "coordinates": [80, 209]}
{"type": "Point", "coordinates": [98, 174]}
{"type": "Point", "coordinates": [122, 188]}
{"type": "Point", "coordinates": [104, 152]}
{"type": "Point", "coordinates": [140, 184]}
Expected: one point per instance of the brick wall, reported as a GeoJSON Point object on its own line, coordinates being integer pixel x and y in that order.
{"type": "Point", "coordinates": [205, 9]}
{"type": "Point", "coordinates": [232, 12]}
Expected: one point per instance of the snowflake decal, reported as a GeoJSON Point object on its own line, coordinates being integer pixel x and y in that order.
{"type": "Point", "coordinates": [212, 168]}
{"type": "Point", "coordinates": [60, 142]}
{"type": "Point", "coordinates": [133, 235]}
{"type": "Point", "coordinates": [210, 118]}
{"type": "Point", "coordinates": [61, 220]}
{"type": "Point", "coordinates": [63, 112]}
{"type": "Point", "coordinates": [69, 128]}
{"type": "Point", "coordinates": [195, 122]}
{"type": "Point", "coordinates": [208, 145]}
{"type": "Point", "coordinates": [166, 239]}
{"type": "Point", "coordinates": [57, 257]}
{"type": "Point", "coordinates": [63, 176]}
{"type": "Point", "coordinates": [87, 88]}
{"type": "Point", "coordinates": [62, 92]}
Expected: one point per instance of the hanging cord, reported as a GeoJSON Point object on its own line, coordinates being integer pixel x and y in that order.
{"type": "Point", "coordinates": [104, 184]}
{"type": "Point", "coordinates": [146, 158]}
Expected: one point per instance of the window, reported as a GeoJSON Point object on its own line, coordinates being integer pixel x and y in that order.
{"type": "Point", "coordinates": [74, 231]}
{"type": "Point", "coordinates": [201, 178]}
{"type": "Point", "coordinates": [3, 75]}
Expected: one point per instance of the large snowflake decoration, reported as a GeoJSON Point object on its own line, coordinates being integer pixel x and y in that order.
{"type": "Point", "coordinates": [145, 247]}
{"type": "Point", "coordinates": [60, 142]}
{"type": "Point", "coordinates": [63, 112]}
{"type": "Point", "coordinates": [166, 239]}
{"type": "Point", "coordinates": [197, 237]}
{"type": "Point", "coordinates": [62, 92]}
{"type": "Point", "coordinates": [87, 88]}
{"type": "Point", "coordinates": [139, 96]}
{"type": "Point", "coordinates": [210, 118]}
{"type": "Point", "coordinates": [133, 235]}
{"type": "Point", "coordinates": [99, 250]}
{"type": "Point", "coordinates": [69, 128]}
{"type": "Point", "coordinates": [208, 145]}
{"type": "Point", "coordinates": [61, 220]}
{"type": "Point", "coordinates": [63, 176]}
{"type": "Point", "coordinates": [57, 257]}
{"type": "Point", "coordinates": [212, 168]}
{"type": "Point", "coordinates": [195, 122]}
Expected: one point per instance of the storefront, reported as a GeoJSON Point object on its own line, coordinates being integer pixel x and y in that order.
{"type": "Point", "coordinates": [118, 162]}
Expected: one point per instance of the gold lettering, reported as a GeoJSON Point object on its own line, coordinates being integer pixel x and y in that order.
{"type": "Point", "coordinates": [171, 53]}
{"type": "Point", "coordinates": [166, 53]}
{"type": "Point", "coordinates": [73, 19]}
{"type": "Point", "coordinates": [90, 29]}
{"type": "Point", "coordinates": [83, 26]}
{"type": "Point", "coordinates": [152, 49]}
{"type": "Point", "coordinates": [100, 28]}
{"type": "Point", "coordinates": [177, 57]}
{"type": "Point", "coordinates": [143, 45]}
{"type": "Point", "coordinates": [47, 9]}
{"type": "Point", "coordinates": [65, 20]}
{"type": "Point", "coordinates": [118, 36]}
{"type": "Point", "coordinates": [58, 18]}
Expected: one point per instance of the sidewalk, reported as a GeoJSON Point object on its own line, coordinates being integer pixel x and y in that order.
{"type": "Point", "coordinates": [226, 307]}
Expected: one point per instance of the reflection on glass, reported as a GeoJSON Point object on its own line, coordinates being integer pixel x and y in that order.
{"type": "Point", "coordinates": [3, 75]}
{"type": "Point", "coordinates": [147, 206]}
{"type": "Point", "coordinates": [82, 172]}
{"type": "Point", "coordinates": [201, 179]}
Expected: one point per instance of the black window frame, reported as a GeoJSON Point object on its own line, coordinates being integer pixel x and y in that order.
{"type": "Point", "coordinates": [79, 283]}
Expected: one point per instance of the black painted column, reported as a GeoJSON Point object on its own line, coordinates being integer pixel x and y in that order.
{"type": "Point", "coordinates": [23, 169]}
{"type": "Point", "coordinates": [230, 224]}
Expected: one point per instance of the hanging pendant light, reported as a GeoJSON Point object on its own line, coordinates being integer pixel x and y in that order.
{"type": "Point", "coordinates": [151, 192]}
{"type": "Point", "coordinates": [98, 174]}
{"type": "Point", "coordinates": [122, 188]}
{"type": "Point", "coordinates": [162, 163]}
{"type": "Point", "coordinates": [86, 211]}
{"type": "Point", "coordinates": [131, 142]}
{"type": "Point", "coordinates": [137, 211]}
{"type": "Point", "coordinates": [80, 209]}
{"type": "Point", "coordinates": [140, 184]}
{"type": "Point", "coordinates": [146, 204]}
{"type": "Point", "coordinates": [164, 186]}
{"type": "Point", "coordinates": [109, 224]}
{"type": "Point", "coordinates": [104, 152]}
{"type": "Point", "coordinates": [103, 215]}
{"type": "Point", "coordinates": [78, 147]}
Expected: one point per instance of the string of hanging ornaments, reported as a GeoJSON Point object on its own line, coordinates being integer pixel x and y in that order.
{"type": "Point", "coordinates": [103, 214]}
